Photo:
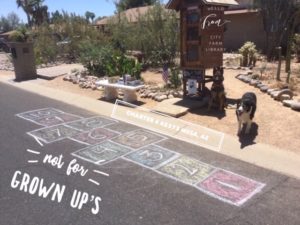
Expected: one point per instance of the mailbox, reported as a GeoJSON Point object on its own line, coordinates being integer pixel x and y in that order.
{"type": "Point", "coordinates": [202, 27]}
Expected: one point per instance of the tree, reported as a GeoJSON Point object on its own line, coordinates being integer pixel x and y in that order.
{"type": "Point", "coordinates": [36, 12]}
{"type": "Point", "coordinates": [276, 17]}
{"type": "Point", "coordinates": [56, 16]}
{"type": "Point", "coordinates": [89, 15]}
{"type": "Point", "coordinates": [24, 4]}
{"type": "Point", "coordinates": [122, 5]}
{"type": "Point", "coordinates": [11, 22]}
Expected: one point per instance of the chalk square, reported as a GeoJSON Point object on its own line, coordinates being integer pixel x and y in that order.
{"type": "Point", "coordinates": [57, 119]}
{"type": "Point", "coordinates": [187, 170]}
{"type": "Point", "coordinates": [151, 156]}
{"type": "Point", "coordinates": [39, 113]}
{"type": "Point", "coordinates": [138, 138]}
{"type": "Point", "coordinates": [230, 187]}
{"type": "Point", "coordinates": [90, 123]}
{"type": "Point", "coordinates": [102, 153]}
{"type": "Point", "coordinates": [122, 127]}
{"type": "Point", "coordinates": [54, 133]}
{"type": "Point", "coordinates": [95, 136]}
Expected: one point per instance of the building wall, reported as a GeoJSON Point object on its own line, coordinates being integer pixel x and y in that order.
{"type": "Point", "coordinates": [244, 27]}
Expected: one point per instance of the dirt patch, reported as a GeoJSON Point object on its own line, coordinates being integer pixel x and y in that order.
{"type": "Point", "coordinates": [275, 124]}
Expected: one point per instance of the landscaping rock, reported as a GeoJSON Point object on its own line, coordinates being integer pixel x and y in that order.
{"type": "Point", "coordinates": [264, 88]}
{"type": "Point", "coordinates": [284, 97]}
{"type": "Point", "coordinates": [288, 95]}
{"type": "Point", "coordinates": [254, 82]}
{"type": "Point", "coordinates": [260, 85]}
{"type": "Point", "coordinates": [288, 103]}
{"type": "Point", "coordinates": [151, 95]}
{"type": "Point", "coordinates": [272, 90]}
{"type": "Point", "coordinates": [170, 96]}
{"type": "Point", "coordinates": [161, 98]}
{"type": "Point", "coordinates": [295, 106]}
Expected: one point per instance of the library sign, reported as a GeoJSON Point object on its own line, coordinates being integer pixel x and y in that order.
{"type": "Point", "coordinates": [202, 26]}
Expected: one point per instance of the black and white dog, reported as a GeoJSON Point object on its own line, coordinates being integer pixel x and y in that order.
{"type": "Point", "coordinates": [245, 111]}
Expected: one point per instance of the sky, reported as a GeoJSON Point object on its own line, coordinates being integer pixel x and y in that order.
{"type": "Point", "coordinates": [99, 7]}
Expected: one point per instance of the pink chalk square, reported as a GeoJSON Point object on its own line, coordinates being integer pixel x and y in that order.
{"type": "Point", "coordinates": [230, 187]}
{"type": "Point", "coordinates": [94, 137]}
{"type": "Point", "coordinates": [57, 119]}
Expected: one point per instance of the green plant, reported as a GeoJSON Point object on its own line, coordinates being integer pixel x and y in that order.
{"type": "Point", "coordinates": [296, 46]}
{"type": "Point", "coordinates": [175, 78]}
{"type": "Point", "coordinates": [20, 35]}
{"type": "Point", "coordinates": [249, 54]}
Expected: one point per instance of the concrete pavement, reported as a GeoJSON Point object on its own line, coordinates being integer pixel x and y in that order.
{"type": "Point", "coordinates": [269, 157]}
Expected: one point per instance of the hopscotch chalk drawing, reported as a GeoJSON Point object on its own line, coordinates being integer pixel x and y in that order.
{"type": "Point", "coordinates": [109, 140]}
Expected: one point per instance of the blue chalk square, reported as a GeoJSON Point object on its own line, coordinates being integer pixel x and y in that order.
{"type": "Point", "coordinates": [151, 156]}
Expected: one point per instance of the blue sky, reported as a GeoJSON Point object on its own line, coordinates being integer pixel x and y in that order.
{"type": "Point", "coordinates": [99, 7]}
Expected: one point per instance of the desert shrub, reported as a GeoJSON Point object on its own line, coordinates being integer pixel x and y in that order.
{"type": "Point", "coordinates": [155, 34]}
{"type": "Point", "coordinates": [64, 38]}
{"type": "Point", "coordinates": [296, 46]}
{"type": "Point", "coordinates": [175, 79]}
{"type": "Point", "coordinates": [45, 47]}
{"type": "Point", "coordinates": [96, 58]}
{"type": "Point", "coordinates": [104, 60]}
{"type": "Point", "coordinates": [249, 54]}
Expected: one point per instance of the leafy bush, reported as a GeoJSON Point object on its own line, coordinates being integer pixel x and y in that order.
{"type": "Point", "coordinates": [105, 60]}
{"type": "Point", "coordinates": [97, 59]}
{"type": "Point", "coordinates": [249, 54]}
{"type": "Point", "coordinates": [20, 35]}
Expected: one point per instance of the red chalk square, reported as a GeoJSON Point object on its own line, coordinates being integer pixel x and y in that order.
{"type": "Point", "coordinates": [230, 187]}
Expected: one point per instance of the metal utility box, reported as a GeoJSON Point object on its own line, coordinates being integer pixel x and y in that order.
{"type": "Point", "coordinates": [23, 60]}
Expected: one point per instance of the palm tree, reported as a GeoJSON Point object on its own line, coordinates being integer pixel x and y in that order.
{"type": "Point", "coordinates": [36, 12]}
{"type": "Point", "coordinates": [24, 4]}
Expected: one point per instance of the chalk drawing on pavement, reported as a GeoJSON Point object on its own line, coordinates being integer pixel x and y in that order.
{"type": "Point", "coordinates": [230, 187]}
{"type": "Point", "coordinates": [151, 156]}
{"type": "Point", "coordinates": [48, 116]}
{"type": "Point", "coordinates": [138, 138]}
{"type": "Point", "coordinates": [94, 136]}
{"type": "Point", "coordinates": [102, 153]}
{"type": "Point", "coordinates": [187, 170]}
{"type": "Point", "coordinates": [138, 146]}
{"type": "Point", "coordinates": [91, 123]}
{"type": "Point", "coordinates": [54, 133]}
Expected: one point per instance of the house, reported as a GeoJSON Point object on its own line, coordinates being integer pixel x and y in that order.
{"type": "Point", "coordinates": [246, 24]}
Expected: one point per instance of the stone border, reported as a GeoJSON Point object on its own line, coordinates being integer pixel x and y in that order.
{"type": "Point", "coordinates": [284, 95]}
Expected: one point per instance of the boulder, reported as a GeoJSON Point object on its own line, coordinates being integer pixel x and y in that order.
{"type": "Point", "coordinates": [170, 96]}
{"type": "Point", "coordinates": [254, 82]}
{"type": "Point", "coordinates": [161, 98]}
{"type": "Point", "coordinates": [272, 90]}
{"type": "Point", "coordinates": [264, 88]}
{"type": "Point", "coordinates": [295, 106]}
{"type": "Point", "coordinates": [284, 97]}
{"type": "Point", "coordinates": [286, 92]}
{"type": "Point", "coordinates": [288, 103]}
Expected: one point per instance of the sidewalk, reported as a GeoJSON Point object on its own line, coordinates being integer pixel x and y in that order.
{"type": "Point", "coordinates": [259, 154]}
